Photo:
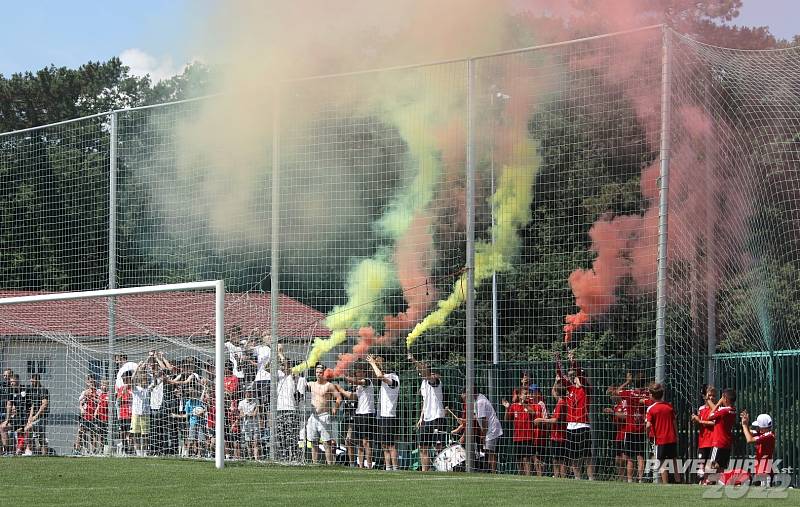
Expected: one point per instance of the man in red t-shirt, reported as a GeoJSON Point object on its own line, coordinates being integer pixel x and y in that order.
{"type": "Point", "coordinates": [764, 439]}
{"type": "Point", "coordinates": [660, 420]}
{"type": "Point", "coordinates": [724, 416]}
{"type": "Point", "coordinates": [705, 432]}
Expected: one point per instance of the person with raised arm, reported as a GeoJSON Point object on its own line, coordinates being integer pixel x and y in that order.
{"type": "Point", "coordinates": [579, 433]}
{"type": "Point", "coordinates": [432, 423]}
{"type": "Point", "coordinates": [287, 422]}
{"type": "Point", "coordinates": [388, 422]}
{"type": "Point", "coordinates": [764, 440]}
{"type": "Point", "coordinates": [325, 400]}
{"type": "Point", "coordinates": [143, 384]}
{"type": "Point", "coordinates": [364, 419]}
{"type": "Point", "coordinates": [705, 432]}
{"type": "Point", "coordinates": [723, 414]}
{"type": "Point", "coordinates": [558, 432]}
{"type": "Point", "coordinates": [635, 399]}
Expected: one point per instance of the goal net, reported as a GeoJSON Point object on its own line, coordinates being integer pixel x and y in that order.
{"type": "Point", "coordinates": [124, 372]}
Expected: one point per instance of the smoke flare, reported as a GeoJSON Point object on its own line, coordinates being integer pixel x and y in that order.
{"type": "Point", "coordinates": [366, 284]}
{"type": "Point", "coordinates": [512, 203]}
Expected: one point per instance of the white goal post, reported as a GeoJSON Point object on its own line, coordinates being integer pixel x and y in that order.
{"type": "Point", "coordinates": [219, 317]}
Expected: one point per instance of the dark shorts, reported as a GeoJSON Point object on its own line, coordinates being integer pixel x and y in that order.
{"type": "Point", "coordinates": [38, 429]}
{"type": "Point", "coordinates": [558, 450]}
{"type": "Point", "coordinates": [125, 425]}
{"type": "Point", "coordinates": [389, 428]}
{"type": "Point", "coordinates": [721, 456]}
{"type": "Point", "coordinates": [579, 443]}
{"type": "Point", "coordinates": [525, 448]}
{"type": "Point", "coordinates": [16, 424]}
{"type": "Point", "coordinates": [90, 426]}
{"type": "Point", "coordinates": [101, 427]}
{"type": "Point", "coordinates": [433, 432]}
{"type": "Point", "coordinates": [704, 453]}
{"type": "Point", "coordinates": [365, 427]}
{"type": "Point", "coordinates": [542, 450]}
{"type": "Point", "coordinates": [635, 444]}
{"type": "Point", "coordinates": [618, 447]}
{"type": "Point", "coordinates": [668, 451]}
{"type": "Point", "coordinates": [263, 392]}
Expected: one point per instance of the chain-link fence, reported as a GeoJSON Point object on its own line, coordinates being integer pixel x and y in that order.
{"type": "Point", "coordinates": [488, 216]}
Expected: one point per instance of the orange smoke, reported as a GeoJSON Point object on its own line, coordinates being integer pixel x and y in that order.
{"type": "Point", "coordinates": [413, 258]}
{"type": "Point", "coordinates": [594, 288]}
{"type": "Point", "coordinates": [627, 245]}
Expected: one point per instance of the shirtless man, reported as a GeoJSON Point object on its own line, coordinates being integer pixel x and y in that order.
{"type": "Point", "coordinates": [325, 399]}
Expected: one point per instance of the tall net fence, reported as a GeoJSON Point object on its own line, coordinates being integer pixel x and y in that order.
{"type": "Point", "coordinates": [349, 195]}
{"type": "Point", "coordinates": [732, 227]}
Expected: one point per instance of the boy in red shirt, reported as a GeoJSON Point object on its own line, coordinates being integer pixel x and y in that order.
{"type": "Point", "coordinates": [635, 437]}
{"type": "Point", "coordinates": [86, 427]}
{"type": "Point", "coordinates": [558, 432]}
{"type": "Point", "coordinates": [724, 416]}
{"type": "Point", "coordinates": [124, 397]}
{"type": "Point", "coordinates": [540, 434]}
{"type": "Point", "coordinates": [661, 423]}
{"type": "Point", "coordinates": [705, 434]}
{"type": "Point", "coordinates": [618, 415]}
{"type": "Point", "coordinates": [520, 412]}
{"type": "Point", "coordinates": [579, 433]}
{"type": "Point", "coordinates": [101, 412]}
{"type": "Point", "coordinates": [764, 440]}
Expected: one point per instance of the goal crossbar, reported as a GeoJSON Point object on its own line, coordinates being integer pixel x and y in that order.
{"type": "Point", "coordinates": [219, 334]}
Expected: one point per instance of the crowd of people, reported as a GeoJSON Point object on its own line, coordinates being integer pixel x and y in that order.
{"type": "Point", "coordinates": [23, 414]}
{"type": "Point", "coordinates": [161, 408]}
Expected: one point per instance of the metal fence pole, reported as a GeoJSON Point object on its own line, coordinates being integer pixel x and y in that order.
{"type": "Point", "coordinates": [470, 299]}
{"type": "Point", "coordinates": [661, 286]}
{"type": "Point", "coordinates": [274, 274]}
{"type": "Point", "coordinates": [711, 269]}
{"type": "Point", "coordinates": [112, 275]}
{"type": "Point", "coordinates": [219, 381]}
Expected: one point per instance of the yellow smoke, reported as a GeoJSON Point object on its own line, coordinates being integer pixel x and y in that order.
{"type": "Point", "coordinates": [365, 285]}
{"type": "Point", "coordinates": [415, 119]}
{"type": "Point", "coordinates": [511, 203]}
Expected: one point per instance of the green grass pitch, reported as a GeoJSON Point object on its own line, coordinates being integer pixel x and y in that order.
{"type": "Point", "coordinates": [101, 481]}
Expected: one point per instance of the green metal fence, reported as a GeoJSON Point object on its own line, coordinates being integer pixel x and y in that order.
{"type": "Point", "coordinates": [767, 383]}
{"type": "Point", "coordinates": [764, 383]}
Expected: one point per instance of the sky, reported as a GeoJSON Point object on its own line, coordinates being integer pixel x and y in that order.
{"type": "Point", "coordinates": [159, 37]}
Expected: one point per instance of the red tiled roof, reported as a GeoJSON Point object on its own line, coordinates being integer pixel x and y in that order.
{"type": "Point", "coordinates": [166, 314]}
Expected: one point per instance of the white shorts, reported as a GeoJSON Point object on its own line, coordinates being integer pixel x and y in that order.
{"type": "Point", "coordinates": [490, 444]}
{"type": "Point", "coordinates": [250, 430]}
{"type": "Point", "coordinates": [318, 427]}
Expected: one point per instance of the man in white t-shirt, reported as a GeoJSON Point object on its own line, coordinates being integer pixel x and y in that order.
{"type": "Point", "coordinates": [490, 426]}
{"type": "Point", "coordinates": [287, 418]}
{"type": "Point", "coordinates": [387, 421]}
{"type": "Point", "coordinates": [432, 422]}
{"type": "Point", "coordinates": [249, 425]}
{"type": "Point", "coordinates": [364, 420]}
{"type": "Point", "coordinates": [140, 408]}
{"type": "Point", "coordinates": [262, 354]}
